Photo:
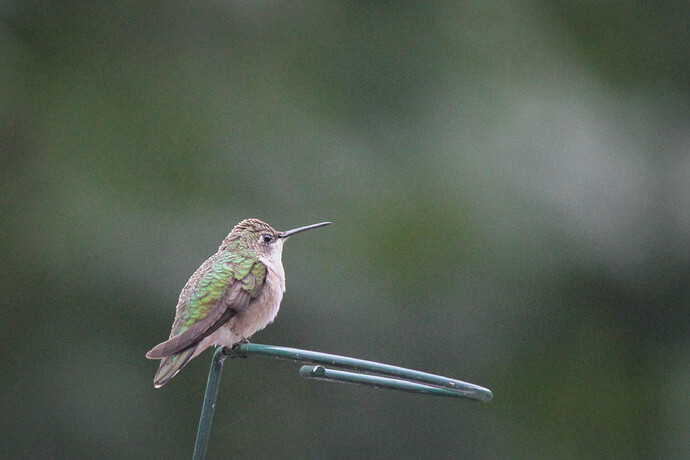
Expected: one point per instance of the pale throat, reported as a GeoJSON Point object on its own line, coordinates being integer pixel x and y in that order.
{"type": "Point", "coordinates": [274, 263]}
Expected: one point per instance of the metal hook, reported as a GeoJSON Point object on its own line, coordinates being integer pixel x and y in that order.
{"type": "Point", "coordinates": [368, 373]}
{"type": "Point", "coordinates": [404, 379]}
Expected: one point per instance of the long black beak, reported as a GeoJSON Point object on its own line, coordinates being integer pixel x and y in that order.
{"type": "Point", "coordinates": [301, 229]}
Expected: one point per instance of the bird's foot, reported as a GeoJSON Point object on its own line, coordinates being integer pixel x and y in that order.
{"type": "Point", "coordinates": [232, 351]}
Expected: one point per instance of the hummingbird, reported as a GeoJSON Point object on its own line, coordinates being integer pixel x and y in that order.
{"type": "Point", "coordinates": [235, 293]}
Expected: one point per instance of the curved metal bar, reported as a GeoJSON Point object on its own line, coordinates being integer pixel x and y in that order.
{"type": "Point", "coordinates": [321, 373]}
{"type": "Point", "coordinates": [401, 374]}
{"type": "Point", "coordinates": [403, 379]}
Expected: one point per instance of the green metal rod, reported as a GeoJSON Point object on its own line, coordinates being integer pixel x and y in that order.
{"type": "Point", "coordinates": [463, 389]}
{"type": "Point", "coordinates": [321, 373]}
{"type": "Point", "coordinates": [207, 410]}
{"type": "Point", "coordinates": [404, 379]}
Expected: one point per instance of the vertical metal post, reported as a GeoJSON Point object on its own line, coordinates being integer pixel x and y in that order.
{"type": "Point", "coordinates": [204, 432]}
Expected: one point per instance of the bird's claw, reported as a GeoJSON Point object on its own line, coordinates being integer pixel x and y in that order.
{"type": "Point", "coordinates": [232, 350]}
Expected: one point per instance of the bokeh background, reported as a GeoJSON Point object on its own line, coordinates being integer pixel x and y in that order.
{"type": "Point", "coordinates": [509, 185]}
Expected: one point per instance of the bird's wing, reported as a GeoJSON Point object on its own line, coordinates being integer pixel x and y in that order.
{"type": "Point", "coordinates": [211, 301]}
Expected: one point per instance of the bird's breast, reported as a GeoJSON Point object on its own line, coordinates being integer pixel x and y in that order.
{"type": "Point", "coordinates": [262, 310]}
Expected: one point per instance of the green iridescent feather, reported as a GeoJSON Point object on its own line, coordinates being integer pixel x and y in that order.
{"type": "Point", "coordinates": [203, 293]}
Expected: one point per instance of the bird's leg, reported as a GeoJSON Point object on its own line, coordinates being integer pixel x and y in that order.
{"type": "Point", "coordinates": [232, 351]}
{"type": "Point", "coordinates": [241, 342]}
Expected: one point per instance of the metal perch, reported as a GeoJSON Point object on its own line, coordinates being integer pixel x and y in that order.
{"type": "Point", "coordinates": [397, 378]}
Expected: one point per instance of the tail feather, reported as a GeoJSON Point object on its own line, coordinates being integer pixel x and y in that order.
{"type": "Point", "coordinates": [172, 365]}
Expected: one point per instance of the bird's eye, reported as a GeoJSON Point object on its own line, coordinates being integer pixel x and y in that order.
{"type": "Point", "coordinates": [267, 238]}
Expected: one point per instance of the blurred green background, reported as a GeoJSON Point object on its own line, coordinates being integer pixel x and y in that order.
{"type": "Point", "coordinates": [509, 185]}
